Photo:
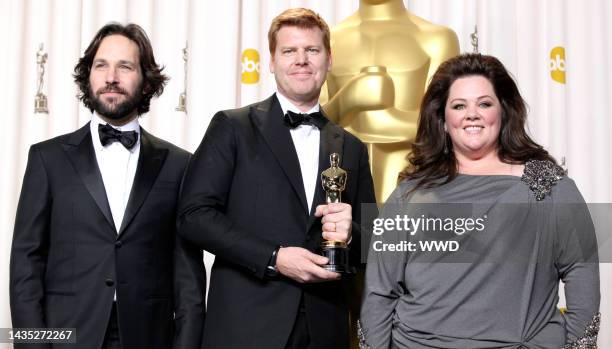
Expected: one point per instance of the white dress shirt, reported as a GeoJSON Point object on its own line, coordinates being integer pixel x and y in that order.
{"type": "Point", "coordinates": [117, 166]}
{"type": "Point", "coordinates": [306, 140]}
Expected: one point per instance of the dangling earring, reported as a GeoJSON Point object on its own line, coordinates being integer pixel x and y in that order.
{"type": "Point", "coordinates": [445, 139]}
{"type": "Point", "coordinates": [445, 144]}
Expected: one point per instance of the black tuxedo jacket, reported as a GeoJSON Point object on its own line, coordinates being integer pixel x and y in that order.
{"type": "Point", "coordinates": [67, 259]}
{"type": "Point", "coordinates": [243, 195]}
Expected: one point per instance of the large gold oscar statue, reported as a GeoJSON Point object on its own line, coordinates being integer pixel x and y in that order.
{"type": "Point", "coordinates": [383, 56]}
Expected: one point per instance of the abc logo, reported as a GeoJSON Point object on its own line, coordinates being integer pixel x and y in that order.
{"type": "Point", "coordinates": [557, 64]}
{"type": "Point", "coordinates": [250, 66]}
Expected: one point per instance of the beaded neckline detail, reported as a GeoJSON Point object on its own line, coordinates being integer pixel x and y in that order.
{"type": "Point", "coordinates": [540, 176]}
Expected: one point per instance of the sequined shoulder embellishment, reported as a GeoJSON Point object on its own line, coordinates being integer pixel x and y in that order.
{"type": "Point", "coordinates": [589, 339]}
{"type": "Point", "coordinates": [540, 176]}
{"type": "Point", "coordinates": [361, 335]}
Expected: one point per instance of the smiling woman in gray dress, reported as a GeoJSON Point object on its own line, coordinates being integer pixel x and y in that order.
{"type": "Point", "coordinates": [496, 286]}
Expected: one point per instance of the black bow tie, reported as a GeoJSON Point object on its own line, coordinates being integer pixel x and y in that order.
{"type": "Point", "coordinates": [108, 135]}
{"type": "Point", "coordinates": [293, 120]}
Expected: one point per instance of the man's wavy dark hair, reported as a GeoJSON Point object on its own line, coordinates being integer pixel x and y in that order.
{"type": "Point", "coordinates": [429, 163]}
{"type": "Point", "coordinates": [153, 81]}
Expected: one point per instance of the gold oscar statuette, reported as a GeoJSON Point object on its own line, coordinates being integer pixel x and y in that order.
{"type": "Point", "coordinates": [40, 100]}
{"type": "Point", "coordinates": [333, 181]}
{"type": "Point", "coordinates": [474, 40]}
{"type": "Point", "coordinates": [182, 104]}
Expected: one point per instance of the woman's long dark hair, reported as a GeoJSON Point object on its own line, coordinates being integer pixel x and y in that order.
{"type": "Point", "coordinates": [432, 161]}
{"type": "Point", "coordinates": [153, 81]}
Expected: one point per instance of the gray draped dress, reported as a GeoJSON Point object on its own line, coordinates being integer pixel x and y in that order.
{"type": "Point", "coordinates": [499, 289]}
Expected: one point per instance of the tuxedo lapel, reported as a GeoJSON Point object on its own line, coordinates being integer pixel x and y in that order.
{"type": "Point", "coordinates": [268, 117]}
{"type": "Point", "coordinates": [331, 141]}
{"type": "Point", "coordinates": [150, 161]}
{"type": "Point", "coordinates": [80, 151]}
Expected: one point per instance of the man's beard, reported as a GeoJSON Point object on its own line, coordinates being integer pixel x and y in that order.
{"type": "Point", "coordinates": [115, 110]}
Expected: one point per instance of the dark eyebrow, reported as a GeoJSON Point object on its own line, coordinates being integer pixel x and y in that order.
{"type": "Point", "coordinates": [122, 61]}
{"type": "Point", "coordinates": [464, 100]}
{"type": "Point", "coordinates": [127, 62]}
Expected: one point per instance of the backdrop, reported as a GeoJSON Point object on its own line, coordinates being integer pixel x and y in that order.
{"type": "Point", "coordinates": [558, 50]}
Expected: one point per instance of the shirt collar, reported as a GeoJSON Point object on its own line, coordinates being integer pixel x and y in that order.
{"type": "Point", "coordinates": [287, 105]}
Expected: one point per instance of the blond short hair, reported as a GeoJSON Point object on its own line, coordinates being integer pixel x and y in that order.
{"type": "Point", "coordinates": [301, 18]}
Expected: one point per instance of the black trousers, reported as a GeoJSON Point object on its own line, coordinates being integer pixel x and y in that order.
{"type": "Point", "coordinates": [299, 338]}
{"type": "Point", "coordinates": [111, 337]}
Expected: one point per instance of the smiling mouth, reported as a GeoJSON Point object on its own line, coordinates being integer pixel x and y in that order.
{"type": "Point", "coordinates": [473, 128]}
{"type": "Point", "coordinates": [302, 73]}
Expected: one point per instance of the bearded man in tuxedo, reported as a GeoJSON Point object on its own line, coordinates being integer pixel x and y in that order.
{"type": "Point", "coordinates": [95, 245]}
